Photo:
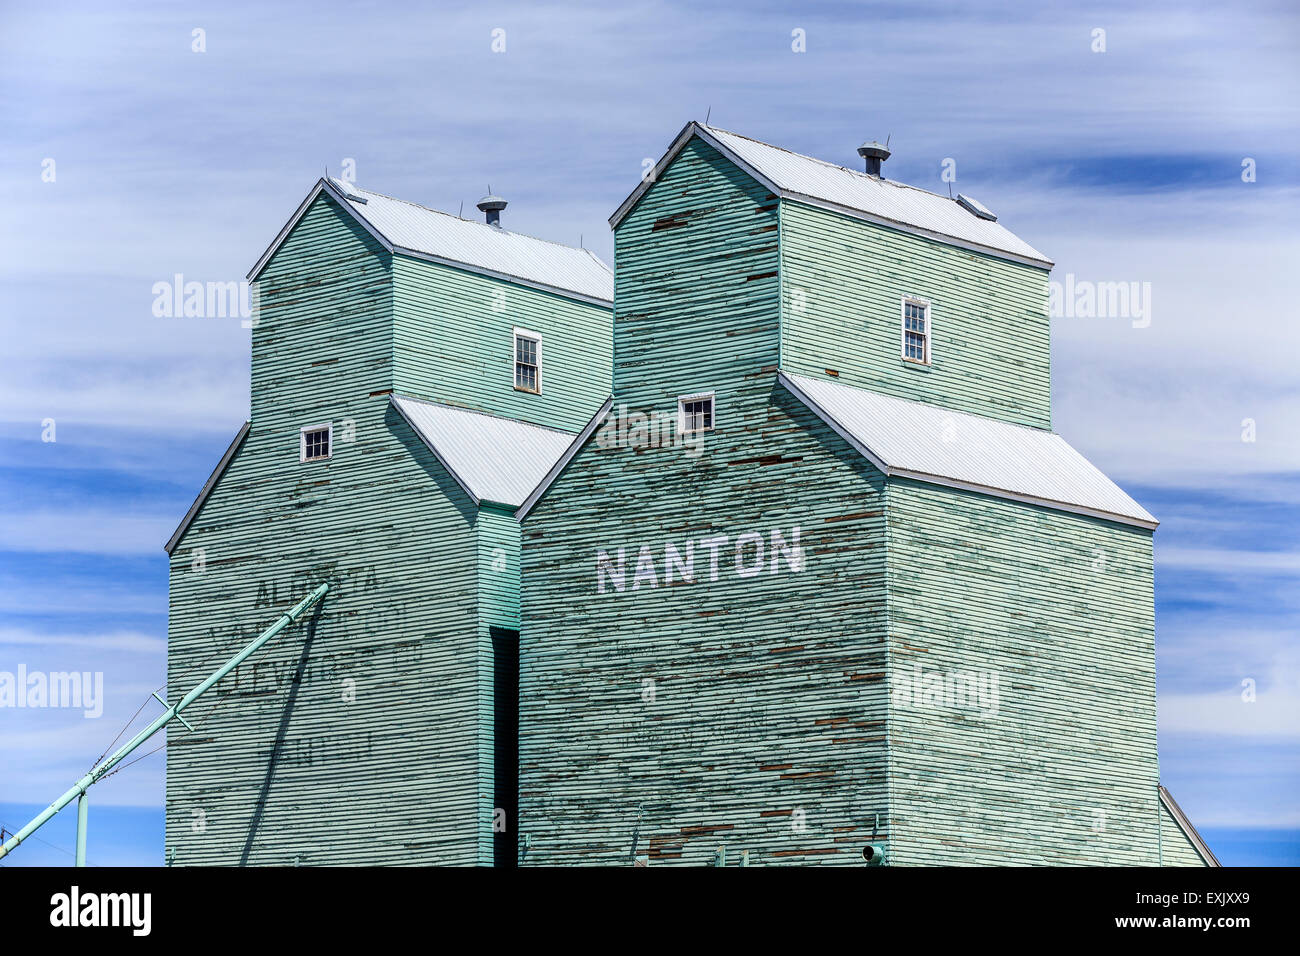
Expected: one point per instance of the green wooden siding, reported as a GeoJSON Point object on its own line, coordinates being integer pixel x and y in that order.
{"type": "Point", "coordinates": [453, 343]}
{"type": "Point", "coordinates": [695, 285]}
{"type": "Point", "coordinates": [745, 711]}
{"type": "Point", "coordinates": [1175, 848]}
{"type": "Point", "coordinates": [1060, 608]}
{"type": "Point", "coordinates": [324, 331]}
{"type": "Point", "coordinates": [402, 772]}
{"type": "Point", "coordinates": [283, 766]}
{"type": "Point", "coordinates": [769, 693]}
{"type": "Point", "coordinates": [843, 282]}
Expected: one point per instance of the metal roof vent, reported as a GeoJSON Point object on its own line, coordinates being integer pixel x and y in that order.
{"type": "Point", "coordinates": [491, 206]}
{"type": "Point", "coordinates": [874, 153]}
{"type": "Point", "coordinates": [977, 207]}
{"type": "Point", "coordinates": [348, 190]}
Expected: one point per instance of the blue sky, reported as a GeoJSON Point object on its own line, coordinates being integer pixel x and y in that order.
{"type": "Point", "coordinates": [1122, 165]}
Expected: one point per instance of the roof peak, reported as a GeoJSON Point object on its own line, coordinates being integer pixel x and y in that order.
{"type": "Point", "coordinates": [473, 222]}
{"type": "Point", "coordinates": [817, 182]}
{"type": "Point", "coordinates": [410, 229]}
{"type": "Point", "coordinates": [826, 162]}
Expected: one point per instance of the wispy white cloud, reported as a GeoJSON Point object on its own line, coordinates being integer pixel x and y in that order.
{"type": "Point", "coordinates": [85, 532]}
{"type": "Point", "coordinates": [11, 637]}
{"type": "Point", "coordinates": [1227, 561]}
{"type": "Point", "coordinates": [1274, 713]}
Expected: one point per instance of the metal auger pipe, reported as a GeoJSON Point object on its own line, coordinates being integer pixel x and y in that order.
{"type": "Point", "coordinates": [99, 770]}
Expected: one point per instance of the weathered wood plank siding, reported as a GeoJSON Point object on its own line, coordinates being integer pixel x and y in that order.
{"type": "Point", "coordinates": [667, 718]}
{"type": "Point", "coordinates": [324, 329]}
{"type": "Point", "coordinates": [843, 282]}
{"type": "Point", "coordinates": [1060, 766]}
{"type": "Point", "coordinates": [454, 344]}
{"type": "Point", "coordinates": [357, 739]}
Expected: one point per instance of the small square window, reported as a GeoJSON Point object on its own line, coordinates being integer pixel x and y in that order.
{"type": "Point", "coordinates": [316, 442]}
{"type": "Point", "coordinates": [916, 331]}
{"type": "Point", "coordinates": [695, 413]}
{"type": "Point", "coordinates": [528, 361]}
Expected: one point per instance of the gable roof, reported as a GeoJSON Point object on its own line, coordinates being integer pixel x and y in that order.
{"type": "Point", "coordinates": [206, 490]}
{"type": "Point", "coordinates": [911, 439]}
{"type": "Point", "coordinates": [498, 460]}
{"type": "Point", "coordinates": [854, 193]}
{"type": "Point", "coordinates": [563, 461]}
{"type": "Point", "coordinates": [413, 230]}
{"type": "Point", "coordinates": [1185, 825]}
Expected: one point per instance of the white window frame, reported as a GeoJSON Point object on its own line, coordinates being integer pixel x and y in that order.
{"type": "Point", "coordinates": [902, 330]}
{"type": "Point", "coordinates": [519, 333]}
{"type": "Point", "coordinates": [696, 397]}
{"type": "Point", "coordinates": [302, 441]}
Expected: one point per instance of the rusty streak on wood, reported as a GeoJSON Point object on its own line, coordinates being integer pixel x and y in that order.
{"type": "Point", "coordinates": [856, 516]}
{"type": "Point", "coordinates": [767, 460]}
{"type": "Point", "coordinates": [703, 831]}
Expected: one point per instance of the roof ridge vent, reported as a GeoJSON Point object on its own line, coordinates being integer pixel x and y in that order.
{"type": "Point", "coordinates": [976, 207]}
{"type": "Point", "coordinates": [348, 190]}
{"type": "Point", "coordinates": [491, 206]}
{"type": "Point", "coordinates": [874, 154]}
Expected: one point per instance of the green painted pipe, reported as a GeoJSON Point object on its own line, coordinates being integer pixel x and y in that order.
{"type": "Point", "coordinates": [873, 854]}
{"type": "Point", "coordinates": [79, 788]}
{"type": "Point", "coordinates": [83, 811]}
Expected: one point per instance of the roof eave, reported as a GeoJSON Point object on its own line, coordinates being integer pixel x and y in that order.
{"type": "Point", "coordinates": [464, 485]}
{"type": "Point", "coordinates": [558, 468]}
{"type": "Point", "coordinates": [1184, 824]}
{"type": "Point", "coordinates": [503, 276]}
{"type": "Point", "coordinates": [947, 240]}
{"type": "Point", "coordinates": [891, 471]}
{"type": "Point", "coordinates": [206, 490]}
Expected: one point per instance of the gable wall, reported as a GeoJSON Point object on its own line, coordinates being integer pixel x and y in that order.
{"type": "Point", "coordinates": [667, 718]}
{"type": "Point", "coordinates": [842, 286]}
{"type": "Point", "coordinates": [357, 739]}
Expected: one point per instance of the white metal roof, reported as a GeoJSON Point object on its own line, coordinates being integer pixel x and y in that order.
{"type": "Point", "coordinates": [817, 182]}
{"type": "Point", "coordinates": [414, 230]}
{"type": "Point", "coordinates": [494, 459]}
{"type": "Point", "coordinates": [928, 443]}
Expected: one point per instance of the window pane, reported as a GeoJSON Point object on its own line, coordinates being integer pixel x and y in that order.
{"type": "Point", "coordinates": [697, 414]}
